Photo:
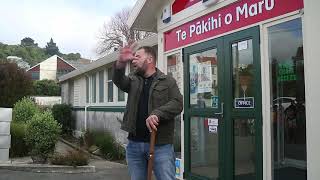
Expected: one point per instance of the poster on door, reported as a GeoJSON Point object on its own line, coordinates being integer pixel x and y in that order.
{"type": "Point", "coordinates": [204, 77]}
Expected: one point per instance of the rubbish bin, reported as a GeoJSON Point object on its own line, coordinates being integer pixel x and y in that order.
{"type": "Point", "coordinates": [5, 137]}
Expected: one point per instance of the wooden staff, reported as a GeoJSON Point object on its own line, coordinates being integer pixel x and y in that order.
{"type": "Point", "coordinates": [151, 153]}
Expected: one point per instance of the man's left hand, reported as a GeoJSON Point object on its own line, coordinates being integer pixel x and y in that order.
{"type": "Point", "coordinates": [152, 122]}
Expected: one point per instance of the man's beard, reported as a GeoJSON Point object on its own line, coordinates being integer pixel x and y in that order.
{"type": "Point", "coordinates": [141, 71]}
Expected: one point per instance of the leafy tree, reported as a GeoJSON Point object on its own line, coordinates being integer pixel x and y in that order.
{"type": "Point", "coordinates": [52, 48]}
{"type": "Point", "coordinates": [28, 42]}
{"type": "Point", "coordinates": [72, 56]}
{"type": "Point", "coordinates": [117, 31]}
{"type": "Point", "coordinates": [46, 88]}
{"type": "Point", "coordinates": [14, 84]}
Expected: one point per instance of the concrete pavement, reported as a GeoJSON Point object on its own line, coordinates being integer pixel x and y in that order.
{"type": "Point", "coordinates": [100, 174]}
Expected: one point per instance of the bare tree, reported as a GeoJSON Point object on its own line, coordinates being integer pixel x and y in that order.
{"type": "Point", "coordinates": [117, 31]}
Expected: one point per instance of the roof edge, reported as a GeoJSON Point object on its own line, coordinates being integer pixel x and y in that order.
{"type": "Point", "coordinates": [135, 12]}
{"type": "Point", "coordinates": [150, 41]}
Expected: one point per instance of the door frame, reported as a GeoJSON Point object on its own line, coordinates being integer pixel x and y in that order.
{"type": "Point", "coordinates": [226, 140]}
{"type": "Point", "coordinates": [209, 112]}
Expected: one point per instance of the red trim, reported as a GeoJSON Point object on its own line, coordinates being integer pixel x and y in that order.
{"type": "Point", "coordinates": [61, 65]}
{"type": "Point", "coordinates": [35, 69]}
{"type": "Point", "coordinates": [180, 5]}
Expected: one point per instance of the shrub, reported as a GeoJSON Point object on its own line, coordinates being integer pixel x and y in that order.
{"type": "Point", "coordinates": [14, 84]}
{"type": "Point", "coordinates": [72, 158]}
{"type": "Point", "coordinates": [63, 114]}
{"type": "Point", "coordinates": [46, 88]}
{"type": "Point", "coordinates": [24, 110]}
{"type": "Point", "coordinates": [88, 138]}
{"type": "Point", "coordinates": [42, 134]}
{"type": "Point", "coordinates": [19, 147]}
{"type": "Point", "coordinates": [109, 147]}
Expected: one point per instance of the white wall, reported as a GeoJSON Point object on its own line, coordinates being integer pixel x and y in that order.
{"type": "Point", "coordinates": [5, 137]}
{"type": "Point", "coordinates": [312, 64]}
{"type": "Point", "coordinates": [48, 68]}
{"type": "Point", "coordinates": [47, 100]}
{"type": "Point", "coordinates": [103, 121]}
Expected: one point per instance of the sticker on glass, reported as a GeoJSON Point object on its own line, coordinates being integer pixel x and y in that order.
{"type": "Point", "coordinates": [215, 101]}
{"type": "Point", "coordinates": [213, 122]}
{"type": "Point", "coordinates": [213, 129]}
{"type": "Point", "coordinates": [242, 45]}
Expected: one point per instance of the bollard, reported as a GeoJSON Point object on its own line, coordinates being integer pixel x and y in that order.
{"type": "Point", "coordinates": [5, 137]}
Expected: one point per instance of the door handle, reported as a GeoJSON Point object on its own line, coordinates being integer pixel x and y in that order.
{"type": "Point", "coordinates": [221, 112]}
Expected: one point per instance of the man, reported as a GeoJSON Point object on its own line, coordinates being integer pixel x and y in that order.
{"type": "Point", "coordinates": [153, 102]}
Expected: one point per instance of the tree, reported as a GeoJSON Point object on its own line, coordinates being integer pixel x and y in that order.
{"type": "Point", "coordinates": [28, 42]}
{"type": "Point", "coordinates": [116, 32]}
{"type": "Point", "coordinates": [52, 48]}
{"type": "Point", "coordinates": [72, 56]}
{"type": "Point", "coordinates": [14, 84]}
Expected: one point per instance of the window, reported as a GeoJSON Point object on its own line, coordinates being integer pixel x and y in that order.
{"type": "Point", "coordinates": [101, 86]}
{"type": "Point", "coordinates": [87, 89]}
{"type": "Point", "coordinates": [120, 95]}
{"type": "Point", "coordinates": [110, 85]}
{"type": "Point", "coordinates": [93, 94]}
{"type": "Point", "coordinates": [287, 86]}
{"type": "Point", "coordinates": [175, 69]}
{"type": "Point", "coordinates": [35, 75]}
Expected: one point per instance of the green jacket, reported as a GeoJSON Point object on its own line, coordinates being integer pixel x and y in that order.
{"type": "Point", "coordinates": [165, 101]}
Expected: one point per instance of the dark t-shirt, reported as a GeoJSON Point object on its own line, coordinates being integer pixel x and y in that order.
{"type": "Point", "coordinates": [142, 132]}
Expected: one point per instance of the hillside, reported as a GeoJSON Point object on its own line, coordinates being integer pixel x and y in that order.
{"type": "Point", "coordinates": [31, 53]}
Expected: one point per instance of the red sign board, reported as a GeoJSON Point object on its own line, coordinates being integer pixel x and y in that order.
{"type": "Point", "coordinates": [180, 5]}
{"type": "Point", "coordinates": [236, 15]}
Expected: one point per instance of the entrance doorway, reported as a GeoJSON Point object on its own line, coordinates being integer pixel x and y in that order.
{"type": "Point", "coordinates": [223, 108]}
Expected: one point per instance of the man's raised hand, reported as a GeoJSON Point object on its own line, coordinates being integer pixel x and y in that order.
{"type": "Point", "coordinates": [126, 55]}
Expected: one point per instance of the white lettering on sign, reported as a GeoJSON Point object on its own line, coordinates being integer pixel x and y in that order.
{"type": "Point", "coordinates": [241, 12]}
{"type": "Point", "coordinates": [247, 103]}
{"type": "Point", "coordinates": [203, 26]}
{"type": "Point", "coordinates": [254, 9]}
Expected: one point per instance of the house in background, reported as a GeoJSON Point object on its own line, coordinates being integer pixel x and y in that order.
{"type": "Point", "coordinates": [51, 68]}
{"type": "Point", "coordinates": [19, 61]}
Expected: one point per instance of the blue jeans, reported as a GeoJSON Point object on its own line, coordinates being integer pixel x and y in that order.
{"type": "Point", "coordinates": [137, 154]}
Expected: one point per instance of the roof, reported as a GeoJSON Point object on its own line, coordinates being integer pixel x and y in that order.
{"type": "Point", "coordinates": [151, 41]}
{"type": "Point", "coordinates": [144, 15]}
{"type": "Point", "coordinates": [79, 63]}
{"type": "Point", "coordinates": [54, 56]}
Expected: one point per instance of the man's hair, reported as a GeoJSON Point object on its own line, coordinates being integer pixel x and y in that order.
{"type": "Point", "coordinates": [149, 50]}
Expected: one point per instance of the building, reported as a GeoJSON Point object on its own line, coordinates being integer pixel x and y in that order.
{"type": "Point", "coordinates": [19, 61]}
{"type": "Point", "coordinates": [51, 68]}
{"type": "Point", "coordinates": [259, 120]}
{"type": "Point", "coordinates": [97, 103]}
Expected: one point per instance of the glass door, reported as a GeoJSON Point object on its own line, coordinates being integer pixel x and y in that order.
{"type": "Point", "coordinates": [243, 114]}
{"type": "Point", "coordinates": [223, 108]}
{"type": "Point", "coordinates": [204, 110]}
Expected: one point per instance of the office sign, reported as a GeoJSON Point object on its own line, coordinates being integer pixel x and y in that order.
{"type": "Point", "coordinates": [244, 102]}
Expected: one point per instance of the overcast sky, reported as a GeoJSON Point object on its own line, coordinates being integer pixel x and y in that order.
{"type": "Point", "coordinates": [73, 24]}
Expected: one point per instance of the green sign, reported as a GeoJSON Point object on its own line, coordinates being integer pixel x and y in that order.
{"type": "Point", "coordinates": [286, 73]}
